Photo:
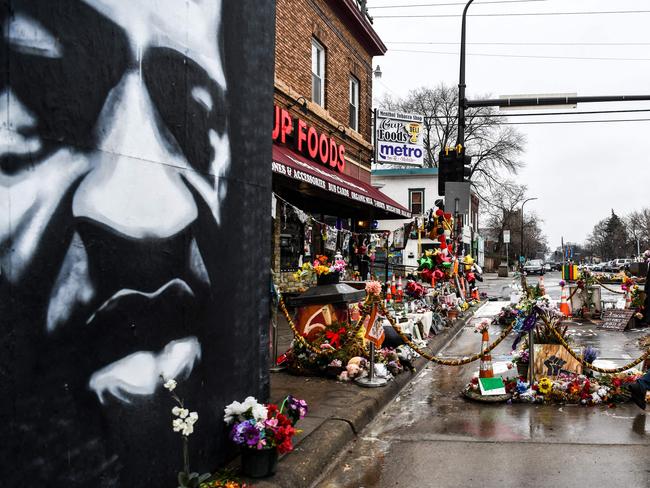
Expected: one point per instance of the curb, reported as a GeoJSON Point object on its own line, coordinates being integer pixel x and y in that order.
{"type": "Point", "coordinates": [311, 456]}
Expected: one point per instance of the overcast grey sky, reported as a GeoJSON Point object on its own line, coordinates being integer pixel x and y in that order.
{"type": "Point", "coordinates": [579, 172]}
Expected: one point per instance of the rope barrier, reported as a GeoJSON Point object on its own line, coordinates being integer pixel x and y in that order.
{"type": "Point", "coordinates": [305, 343]}
{"type": "Point", "coordinates": [438, 360]}
{"type": "Point", "coordinates": [449, 362]}
{"type": "Point", "coordinates": [578, 358]}
{"type": "Point", "coordinates": [609, 289]}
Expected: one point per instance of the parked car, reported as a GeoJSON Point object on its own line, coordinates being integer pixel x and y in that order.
{"type": "Point", "coordinates": [547, 267]}
{"type": "Point", "coordinates": [620, 264]}
{"type": "Point", "coordinates": [534, 266]}
{"type": "Point", "coordinates": [597, 267]}
{"type": "Point", "coordinates": [607, 266]}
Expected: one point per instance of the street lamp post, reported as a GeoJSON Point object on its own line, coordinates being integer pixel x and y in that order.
{"type": "Point", "coordinates": [521, 245]}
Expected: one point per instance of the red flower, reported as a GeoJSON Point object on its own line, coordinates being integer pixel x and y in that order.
{"type": "Point", "coordinates": [283, 420]}
{"type": "Point", "coordinates": [617, 382]}
{"type": "Point", "coordinates": [272, 410]}
{"type": "Point", "coordinates": [285, 446]}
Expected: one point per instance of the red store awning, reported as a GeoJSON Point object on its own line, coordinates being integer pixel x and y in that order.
{"type": "Point", "coordinates": [290, 164]}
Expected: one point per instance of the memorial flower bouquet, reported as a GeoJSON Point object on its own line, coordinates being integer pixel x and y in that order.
{"type": "Point", "coordinates": [321, 266]}
{"type": "Point", "coordinates": [257, 426]}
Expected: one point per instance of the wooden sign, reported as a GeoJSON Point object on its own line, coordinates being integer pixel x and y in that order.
{"type": "Point", "coordinates": [553, 359]}
{"type": "Point", "coordinates": [614, 319]}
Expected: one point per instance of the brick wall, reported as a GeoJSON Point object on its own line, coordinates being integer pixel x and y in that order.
{"type": "Point", "coordinates": [297, 22]}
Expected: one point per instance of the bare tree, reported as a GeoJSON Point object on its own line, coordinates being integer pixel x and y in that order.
{"type": "Point", "coordinates": [495, 148]}
{"type": "Point", "coordinates": [503, 212]}
{"type": "Point", "coordinates": [638, 226]}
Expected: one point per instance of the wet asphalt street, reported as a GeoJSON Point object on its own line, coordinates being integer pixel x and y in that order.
{"type": "Point", "coordinates": [430, 436]}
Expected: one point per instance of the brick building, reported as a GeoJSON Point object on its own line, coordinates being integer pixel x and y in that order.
{"type": "Point", "coordinates": [322, 133]}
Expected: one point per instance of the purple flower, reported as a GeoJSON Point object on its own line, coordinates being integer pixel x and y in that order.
{"type": "Point", "coordinates": [237, 433]}
{"type": "Point", "coordinates": [297, 408]}
{"type": "Point", "coordinates": [251, 435]}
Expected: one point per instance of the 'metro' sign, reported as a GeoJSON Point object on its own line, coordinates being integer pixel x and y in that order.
{"type": "Point", "coordinates": [398, 138]}
{"type": "Point", "coordinates": [307, 140]}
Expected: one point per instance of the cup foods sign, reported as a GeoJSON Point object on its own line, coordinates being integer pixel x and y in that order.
{"type": "Point", "coordinates": [398, 137]}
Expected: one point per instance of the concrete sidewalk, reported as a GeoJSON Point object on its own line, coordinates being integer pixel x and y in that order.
{"type": "Point", "coordinates": [337, 413]}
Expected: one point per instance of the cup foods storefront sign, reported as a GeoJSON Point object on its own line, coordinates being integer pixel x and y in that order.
{"type": "Point", "coordinates": [398, 138]}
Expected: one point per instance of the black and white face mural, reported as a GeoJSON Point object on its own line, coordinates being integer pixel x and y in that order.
{"type": "Point", "coordinates": [133, 164]}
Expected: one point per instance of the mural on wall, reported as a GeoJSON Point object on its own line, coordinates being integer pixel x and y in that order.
{"type": "Point", "coordinates": [116, 205]}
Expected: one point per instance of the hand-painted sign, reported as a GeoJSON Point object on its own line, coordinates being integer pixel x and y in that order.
{"type": "Point", "coordinates": [617, 319]}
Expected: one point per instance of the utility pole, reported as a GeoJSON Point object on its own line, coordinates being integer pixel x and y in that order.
{"type": "Point", "coordinates": [462, 103]}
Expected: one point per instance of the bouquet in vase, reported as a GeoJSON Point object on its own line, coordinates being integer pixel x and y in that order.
{"type": "Point", "coordinates": [257, 426]}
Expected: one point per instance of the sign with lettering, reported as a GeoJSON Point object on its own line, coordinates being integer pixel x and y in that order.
{"type": "Point", "coordinates": [615, 319]}
{"type": "Point", "coordinates": [306, 140]}
{"type": "Point", "coordinates": [398, 138]}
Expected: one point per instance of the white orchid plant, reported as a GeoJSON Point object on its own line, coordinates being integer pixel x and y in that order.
{"type": "Point", "coordinates": [183, 422]}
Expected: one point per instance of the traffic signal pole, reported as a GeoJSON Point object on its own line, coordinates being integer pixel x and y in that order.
{"type": "Point", "coordinates": [462, 103]}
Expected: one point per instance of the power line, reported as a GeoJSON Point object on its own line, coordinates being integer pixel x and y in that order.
{"type": "Point", "coordinates": [599, 121]}
{"type": "Point", "coordinates": [452, 4]}
{"type": "Point", "coordinates": [549, 122]}
{"type": "Point", "coordinates": [532, 114]}
{"type": "Point", "coordinates": [516, 14]}
{"type": "Point", "coordinates": [529, 56]}
{"type": "Point", "coordinates": [525, 43]}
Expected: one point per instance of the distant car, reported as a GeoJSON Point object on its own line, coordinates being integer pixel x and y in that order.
{"type": "Point", "coordinates": [620, 264]}
{"type": "Point", "coordinates": [534, 266]}
{"type": "Point", "coordinates": [547, 267]}
{"type": "Point", "coordinates": [597, 267]}
{"type": "Point", "coordinates": [554, 266]}
{"type": "Point", "coordinates": [607, 266]}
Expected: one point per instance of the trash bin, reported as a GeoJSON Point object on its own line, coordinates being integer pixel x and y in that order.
{"type": "Point", "coordinates": [503, 270]}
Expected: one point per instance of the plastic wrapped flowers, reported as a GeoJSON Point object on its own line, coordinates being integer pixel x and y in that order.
{"type": "Point", "coordinates": [256, 426]}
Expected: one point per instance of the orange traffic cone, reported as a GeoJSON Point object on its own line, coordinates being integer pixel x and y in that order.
{"type": "Point", "coordinates": [564, 304]}
{"type": "Point", "coordinates": [393, 287]}
{"type": "Point", "coordinates": [389, 295]}
{"type": "Point", "coordinates": [475, 294]}
{"type": "Point", "coordinates": [485, 370]}
{"type": "Point", "coordinates": [542, 288]}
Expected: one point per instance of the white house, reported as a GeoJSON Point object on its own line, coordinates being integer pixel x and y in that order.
{"type": "Point", "coordinates": [417, 189]}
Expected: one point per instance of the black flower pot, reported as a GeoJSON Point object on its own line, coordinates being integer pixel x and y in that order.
{"type": "Point", "coordinates": [328, 279]}
{"type": "Point", "coordinates": [522, 369]}
{"type": "Point", "coordinates": [259, 463]}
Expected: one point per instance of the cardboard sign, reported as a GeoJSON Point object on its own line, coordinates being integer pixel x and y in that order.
{"type": "Point", "coordinates": [553, 359]}
{"type": "Point", "coordinates": [374, 328]}
{"type": "Point", "coordinates": [617, 319]}
{"type": "Point", "coordinates": [492, 386]}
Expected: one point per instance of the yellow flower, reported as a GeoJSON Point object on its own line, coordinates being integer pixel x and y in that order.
{"type": "Point", "coordinates": [544, 386]}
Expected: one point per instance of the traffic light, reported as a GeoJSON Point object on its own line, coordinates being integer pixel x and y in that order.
{"type": "Point", "coordinates": [453, 165]}
{"type": "Point", "coordinates": [462, 168]}
{"type": "Point", "coordinates": [446, 165]}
